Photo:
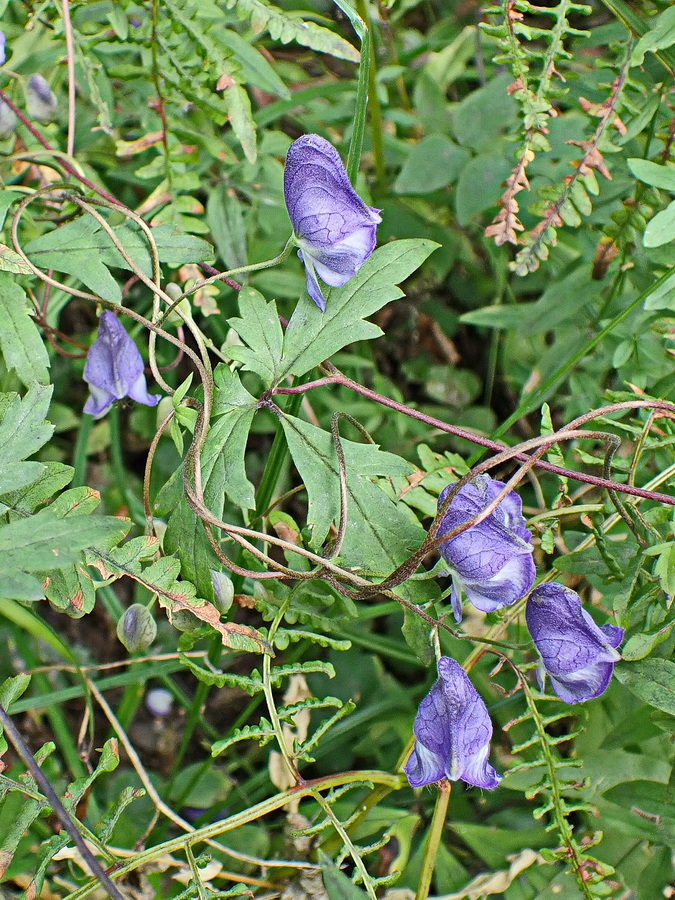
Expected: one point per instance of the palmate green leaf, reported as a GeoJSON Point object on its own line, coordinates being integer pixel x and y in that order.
{"type": "Point", "coordinates": [223, 470]}
{"type": "Point", "coordinates": [20, 341]}
{"type": "Point", "coordinates": [23, 426]}
{"type": "Point", "coordinates": [71, 589]}
{"type": "Point", "coordinates": [313, 336]}
{"type": "Point", "coordinates": [185, 537]}
{"type": "Point", "coordinates": [379, 534]}
{"type": "Point", "coordinates": [53, 477]}
{"type": "Point", "coordinates": [81, 248]}
{"type": "Point", "coordinates": [286, 27]}
{"type": "Point", "coordinates": [223, 473]}
{"type": "Point", "coordinates": [45, 542]}
{"type": "Point", "coordinates": [259, 326]}
{"type": "Point", "coordinates": [17, 475]}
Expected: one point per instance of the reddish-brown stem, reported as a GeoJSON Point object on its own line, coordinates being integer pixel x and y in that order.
{"type": "Point", "coordinates": [666, 408]}
{"type": "Point", "coordinates": [210, 271]}
{"type": "Point", "coordinates": [70, 169]}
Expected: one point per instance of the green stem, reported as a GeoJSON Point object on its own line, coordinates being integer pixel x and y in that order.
{"type": "Point", "coordinates": [80, 450]}
{"type": "Point", "coordinates": [269, 695]}
{"type": "Point", "coordinates": [375, 109]}
{"type": "Point", "coordinates": [353, 852]}
{"type": "Point", "coordinates": [433, 841]}
{"type": "Point", "coordinates": [251, 814]}
{"type": "Point", "coordinates": [253, 267]}
{"type": "Point", "coordinates": [361, 103]}
{"type": "Point", "coordinates": [120, 473]}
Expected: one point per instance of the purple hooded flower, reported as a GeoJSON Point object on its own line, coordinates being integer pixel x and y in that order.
{"type": "Point", "coordinates": [40, 100]}
{"type": "Point", "coordinates": [577, 654]}
{"type": "Point", "coordinates": [3, 55]}
{"type": "Point", "coordinates": [333, 227]}
{"type": "Point", "coordinates": [492, 561]}
{"type": "Point", "coordinates": [114, 369]}
{"type": "Point", "coordinates": [452, 730]}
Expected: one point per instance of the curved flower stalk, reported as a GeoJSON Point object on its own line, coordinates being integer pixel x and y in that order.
{"type": "Point", "coordinates": [576, 654]}
{"type": "Point", "coordinates": [452, 730]}
{"type": "Point", "coordinates": [333, 227]}
{"type": "Point", "coordinates": [491, 561]}
{"type": "Point", "coordinates": [114, 369]}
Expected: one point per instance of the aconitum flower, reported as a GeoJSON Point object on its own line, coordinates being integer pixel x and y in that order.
{"type": "Point", "coordinates": [114, 369]}
{"type": "Point", "coordinates": [3, 55]}
{"type": "Point", "coordinates": [40, 100]}
{"type": "Point", "coordinates": [452, 730]}
{"type": "Point", "coordinates": [333, 227]}
{"type": "Point", "coordinates": [491, 561]}
{"type": "Point", "coordinates": [577, 654]}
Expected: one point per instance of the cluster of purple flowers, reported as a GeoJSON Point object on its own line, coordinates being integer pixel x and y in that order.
{"type": "Point", "coordinates": [333, 229]}
{"type": "Point", "coordinates": [491, 563]}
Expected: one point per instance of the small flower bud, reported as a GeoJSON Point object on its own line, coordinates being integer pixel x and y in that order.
{"type": "Point", "coordinates": [136, 629]}
{"type": "Point", "coordinates": [7, 120]}
{"type": "Point", "coordinates": [223, 591]}
{"type": "Point", "coordinates": [40, 100]}
{"type": "Point", "coordinates": [183, 620]}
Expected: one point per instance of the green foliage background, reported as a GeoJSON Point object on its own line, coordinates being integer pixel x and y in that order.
{"type": "Point", "coordinates": [272, 512]}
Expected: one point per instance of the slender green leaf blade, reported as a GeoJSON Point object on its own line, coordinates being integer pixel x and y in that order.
{"type": "Point", "coordinates": [338, 885]}
{"type": "Point", "coordinates": [380, 533]}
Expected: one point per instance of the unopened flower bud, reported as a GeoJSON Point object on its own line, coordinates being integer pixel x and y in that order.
{"type": "Point", "coordinates": [223, 591]}
{"type": "Point", "coordinates": [7, 120]}
{"type": "Point", "coordinates": [40, 100]}
{"type": "Point", "coordinates": [136, 629]}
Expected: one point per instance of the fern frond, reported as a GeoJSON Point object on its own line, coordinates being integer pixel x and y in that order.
{"type": "Point", "coordinates": [285, 27]}
{"type": "Point", "coordinates": [263, 732]}
{"type": "Point", "coordinates": [535, 93]}
{"type": "Point", "coordinates": [553, 787]}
